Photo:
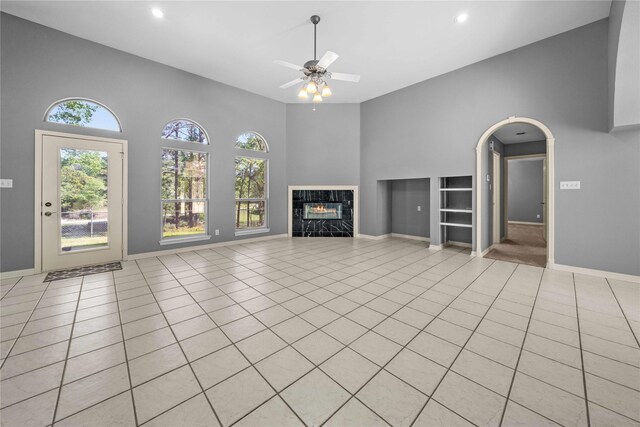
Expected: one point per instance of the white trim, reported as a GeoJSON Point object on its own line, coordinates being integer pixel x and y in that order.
{"type": "Point", "coordinates": [79, 98]}
{"type": "Point", "coordinates": [370, 237]}
{"type": "Point", "coordinates": [436, 247]}
{"type": "Point", "coordinates": [248, 231]}
{"type": "Point", "coordinates": [183, 140]}
{"type": "Point", "coordinates": [541, 224]}
{"type": "Point", "coordinates": [356, 204]}
{"type": "Point", "coordinates": [411, 237]}
{"type": "Point", "coordinates": [266, 144]}
{"type": "Point", "coordinates": [483, 253]}
{"type": "Point", "coordinates": [461, 244]}
{"type": "Point", "coordinates": [178, 240]}
{"type": "Point", "coordinates": [39, 136]}
{"type": "Point", "coordinates": [17, 273]}
{"type": "Point", "coordinates": [201, 247]}
{"type": "Point", "coordinates": [550, 181]}
{"type": "Point", "coordinates": [592, 272]}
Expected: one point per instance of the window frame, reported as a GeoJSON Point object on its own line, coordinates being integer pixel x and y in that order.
{"type": "Point", "coordinates": [196, 237]}
{"type": "Point", "coordinates": [206, 134]}
{"type": "Point", "coordinates": [81, 98]}
{"type": "Point", "coordinates": [264, 140]}
{"type": "Point", "coordinates": [265, 228]}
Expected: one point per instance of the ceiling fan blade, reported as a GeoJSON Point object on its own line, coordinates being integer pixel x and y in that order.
{"type": "Point", "coordinates": [346, 77]}
{"type": "Point", "coordinates": [291, 83]}
{"type": "Point", "coordinates": [288, 65]}
{"type": "Point", "coordinates": [327, 59]}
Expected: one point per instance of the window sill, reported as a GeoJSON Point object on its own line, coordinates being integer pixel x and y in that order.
{"type": "Point", "coordinates": [177, 240]}
{"type": "Point", "coordinates": [252, 231]}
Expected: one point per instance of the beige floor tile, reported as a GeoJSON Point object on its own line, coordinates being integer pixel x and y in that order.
{"type": "Point", "coordinates": [41, 339]}
{"type": "Point", "coordinates": [612, 370]}
{"type": "Point", "coordinates": [315, 397]}
{"type": "Point", "coordinates": [600, 416]}
{"type": "Point", "coordinates": [24, 362]}
{"type": "Point", "coordinates": [157, 396]}
{"type": "Point", "coordinates": [517, 415]}
{"type": "Point", "coordinates": [376, 348]}
{"type": "Point", "coordinates": [116, 411]}
{"type": "Point", "coordinates": [366, 317]}
{"type": "Point", "coordinates": [219, 366]}
{"type": "Point", "coordinates": [434, 348]}
{"type": "Point", "coordinates": [284, 367]}
{"type": "Point", "coordinates": [396, 331]}
{"type": "Point", "coordinates": [203, 344]}
{"type": "Point", "coordinates": [449, 332]}
{"type": "Point", "coordinates": [615, 351]}
{"type": "Point", "coordinates": [552, 372]}
{"type": "Point", "coordinates": [238, 395]}
{"type": "Point", "coordinates": [318, 346]}
{"type": "Point", "coordinates": [34, 412]}
{"type": "Point", "coordinates": [475, 403]}
{"type": "Point", "coordinates": [553, 350]}
{"type": "Point", "coordinates": [147, 343]}
{"type": "Point", "coordinates": [319, 316]}
{"type": "Point", "coordinates": [615, 397]}
{"type": "Point", "coordinates": [293, 329]}
{"type": "Point", "coordinates": [349, 369]}
{"type": "Point", "coordinates": [28, 385]}
{"type": "Point", "coordinates": [273, 413]}
{"type": "Point", "coordinates": [416, 370]}
{"type": "Point", "coordinates": [91, 342]}
{"type": "Point", "coordinates": [260, 345]}
{"type": "Point", "coordinates": [94, 361]}
{"type": "Point", "coordinates": [195, 412]}
{"type": "Point", "coordinates": [183, 313]}
{"type": "Point", "coordinates": [353, 414]}
{"type": "Point", "coordinates": [413, 317]}
{"type": "Point", "coordinates": [394, 400]}
{"type": "Point", "coordinates": [88, 391]}
{"type": "Point", "coordinates": [191, 327]}
{"type": "Point", "coordinates": [243, 328]}
{"type": "Point", "coordinates": [228, 314]}
{"type": "Point", "coordinates": [344, 330]}
{"type": "Point", "coordinates": [551, 402]}
{"type": "Point", "coordinates": [486, 372]}
{"type": "Point", "coordinates": [436, 415]}
{"type": "Point", "coordinates": [273, 315]}
{"type": "Point", "coordinates": [156, 363]}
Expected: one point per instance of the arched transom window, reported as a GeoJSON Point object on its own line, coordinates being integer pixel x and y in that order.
{"type": "Point", "coordinates": [185, 130]}
{"type": "Point", "coordinates": [82, 112]}
{"type": "Point", "coordinates": [252, 141]}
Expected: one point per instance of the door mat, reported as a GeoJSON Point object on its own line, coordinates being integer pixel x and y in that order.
{"type": "Point", "coordinates": [83, 271]}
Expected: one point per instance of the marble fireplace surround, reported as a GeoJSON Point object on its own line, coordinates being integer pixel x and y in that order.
{"type": "Point", "coordinates": [356, 203]}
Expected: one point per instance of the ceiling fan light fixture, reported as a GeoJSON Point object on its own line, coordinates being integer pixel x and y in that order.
{"type": "Point", "coordinates": [317, 97]}
{"type": "Point", "coordinates": [302, 94]}
{"type": "Point", "coordinates": [326, 91]}
{"type": "Point", "coordinates": [462, 18]}
{"type": "Point", "coordinates": [311, 87]}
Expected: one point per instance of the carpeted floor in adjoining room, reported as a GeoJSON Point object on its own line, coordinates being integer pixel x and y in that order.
{"type": "Point", "coordinates": [525, 245]}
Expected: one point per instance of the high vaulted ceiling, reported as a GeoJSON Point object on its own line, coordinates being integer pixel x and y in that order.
{"type": "Point", "coordinates": [390, 44]}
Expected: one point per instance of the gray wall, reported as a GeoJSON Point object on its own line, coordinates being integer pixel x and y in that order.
{"type": "Point", "coordinates": [323, 146]}
{"type": "Point", "coordinates": [41, 65]}
{"type": "Point", "coordinates": [431, 129]}
{"type": "Point", "coordinates": [525, 148]}
{"type": "Point", "coordinates": [525, 188]}
{"type": "Point", "coordinates": [406, 196]}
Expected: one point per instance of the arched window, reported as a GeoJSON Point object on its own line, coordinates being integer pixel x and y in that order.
{"type": "Point", "coordinates": [82, 112]}
{"type": "Point", "coordinates": [252, 185]}
{"type": "Point", "coordinates": [185, 130]}
{"type": "Point", "coordinates": [252, 141]}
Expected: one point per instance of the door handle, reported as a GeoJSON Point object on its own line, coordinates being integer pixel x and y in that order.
{"type": "Point", "coordinates": [49, 213]}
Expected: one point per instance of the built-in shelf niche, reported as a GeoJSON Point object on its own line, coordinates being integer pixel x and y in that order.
{"type": "Point", "coordinates": [456, 210]}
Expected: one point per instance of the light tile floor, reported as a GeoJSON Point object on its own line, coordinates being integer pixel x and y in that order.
{"type": "Point", "coordinates": [338, 332]}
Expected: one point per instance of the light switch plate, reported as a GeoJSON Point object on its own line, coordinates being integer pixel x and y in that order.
{"type": "Point", "coordinates": [6, 183]}
{"type": "Point", "coordinates": [569, 185]}
{"type": "Point", "coordinates": [419, 208]}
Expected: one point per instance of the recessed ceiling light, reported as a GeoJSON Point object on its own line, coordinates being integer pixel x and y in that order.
{"type": "Point", "coordinates": [463, 17]}
{"type": "Point", "coordinates": [157, 12]}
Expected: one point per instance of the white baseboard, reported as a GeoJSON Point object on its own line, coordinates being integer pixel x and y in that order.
{"type": "Point", "coordinates": [591, 272]}
{"type": "Point", "coordinates": [473, 253]}
{"type": "Point", "coordinates": [486, 251]}
{"type": "Point", "coordinates": [370, 237]}
{"type": "Point", "coordinates": [436, 247]}
{"type": "Point", "coordinates": [17, 273]}
{"type": "Point", "coordinates": [411, 237]}
{"type": "Point", "coordinates": [461, 244]}
{"type": "Point", "coordinates": [526, 223]}
{"type": "Point", "coordinates": [200, 247]}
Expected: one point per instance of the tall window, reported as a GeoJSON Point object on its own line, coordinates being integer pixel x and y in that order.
{"type": "Point", "coordinates": [251, 183]}
{"type": "Point", "coordinates": [184, 193]}
{"type": "Point", "coordinates": [82, 112]}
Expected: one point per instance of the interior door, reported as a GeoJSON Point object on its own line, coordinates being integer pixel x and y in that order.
{"type": "Point", "coordinates": [82, 201]}
{"type": "Point", "coordinates": [495, 178]}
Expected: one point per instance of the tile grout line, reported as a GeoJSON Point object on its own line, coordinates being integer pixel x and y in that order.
{"type": "Point", "coordinates": [433, 392]}
{"type": "Point", "coordinates": [524, 339]}
{"type": "Point", "coordinates": [623, 312]}
{"type": "Point", "coordinates": [66, 358]}
{"type": "Point", "coordinates": [584, 375]}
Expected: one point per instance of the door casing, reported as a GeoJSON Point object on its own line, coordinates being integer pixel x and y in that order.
{"type": "Point", "coordinates": [39, 137]}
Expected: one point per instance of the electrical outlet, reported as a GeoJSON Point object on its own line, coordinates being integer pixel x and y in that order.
{"type": "Point", "coordinates": [419, 208]}
{"type": "Point", "coordinates": [569, 185]}
{"type": "Point", "coordinates": [6, 183]}
{"type": "Point", "coordinates": [538, 216]}
{"type": "Point", "coordinates": [217, 232]}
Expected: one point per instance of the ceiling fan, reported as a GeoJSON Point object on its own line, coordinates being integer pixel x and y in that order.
{"type": "Point", "coordinates": [315, 72]}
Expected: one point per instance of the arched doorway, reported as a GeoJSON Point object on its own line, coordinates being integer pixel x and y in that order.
{"type": "Point", "coordinates": [482, 142]}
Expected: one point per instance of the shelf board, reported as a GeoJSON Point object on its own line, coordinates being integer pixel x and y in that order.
{"type": "Point", "coordinates": [456, 210]}
{"type": "Point", "coordinates": [455, 189]}
{"type": "Point", "coordinates": [453, 224]}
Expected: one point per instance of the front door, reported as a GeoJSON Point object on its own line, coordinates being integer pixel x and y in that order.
{"type": "Point", "coordinates": [82, 201]}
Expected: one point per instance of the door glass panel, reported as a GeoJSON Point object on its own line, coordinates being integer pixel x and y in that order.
{"type": "Point", "coordinates": [84, 219]}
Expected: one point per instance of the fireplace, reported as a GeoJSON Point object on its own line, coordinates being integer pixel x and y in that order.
{"type": "Point", "coordinates": [322, 211]}
{"type": "Point", "coordinates": [316, 211]}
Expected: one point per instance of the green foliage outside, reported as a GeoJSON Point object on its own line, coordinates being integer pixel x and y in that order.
{"type": "Point", "coordinates": [83, 180]}
{"type": "Point", "coordinates": [251, 141]}
{"type": "Point", "coordinates": [76, 113]}
{"type": "Point", "coordinates": [250, 182]}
